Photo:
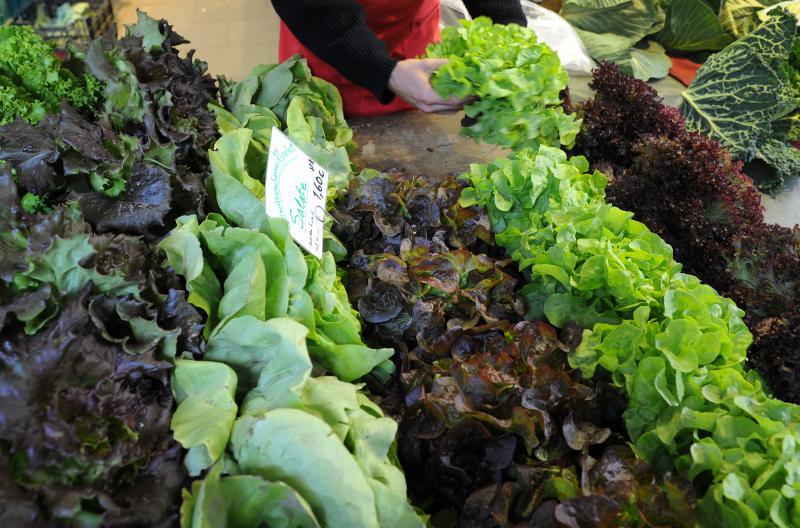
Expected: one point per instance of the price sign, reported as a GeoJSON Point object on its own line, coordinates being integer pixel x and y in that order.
{"type": "Point", "coordinates": [296, 190]}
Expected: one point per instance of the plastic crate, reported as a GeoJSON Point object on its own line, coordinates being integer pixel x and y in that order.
{"type": "Point", "coordinates": [81, 32]}
{"type": "Point", "coordinates": [11, 9]}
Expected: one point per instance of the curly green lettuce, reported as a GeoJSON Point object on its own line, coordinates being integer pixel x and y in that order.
{"type": "Point", "coordinates": [516, 79]}
{"type": "Point", "coordinates": [33, 81]}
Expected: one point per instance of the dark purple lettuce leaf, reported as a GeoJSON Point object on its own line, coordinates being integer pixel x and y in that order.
{"type": "Point", "coordinates": [182, 117]}
{"type": "Point", "coordinates": [33, 154]}
{"type": "Point", "coordinates": [55, 159]}
{"type": "Point", "coordinates": [588, 511]}
{"type": "Point", "coordinates": [83, 420]}
{"type": "Point", "coordinates": [512, 384]}
{"type": "Point", "coordinates": [406, 297]}
{"type": "Point", "coordinates": [167, 291]}
{"type": "Point", "coordinates": [18, 506]}
{"type": "Point", "coordinates": [49, 256]}
{"type": "Point", "coordinates": [381, 212]}
{"type": "Point", "coordinates": [140, 209]}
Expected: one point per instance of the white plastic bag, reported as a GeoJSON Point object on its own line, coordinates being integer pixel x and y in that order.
{"type": "Point", "coordinates": [548, 26]}
{"type": "Point", "coordinates": [452, 12]}
{"type": "Point", "coordinates": [559, 35]}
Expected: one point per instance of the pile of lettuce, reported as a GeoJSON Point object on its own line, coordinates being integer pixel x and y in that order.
{"type": "Point", "coordinates": [686, 188]}
{"type": "Point", "coordinates": [636, 34]}
{"type": "Point", "coordinates": [273, 443]}
{"type": "Point", "coordinates": [517, 83]}
{"type": "Point", "coordinates": [674, 345]}
{"type": "Point", "coordinates": [306, 108]}
{"type": "Point", "coordinates": [33, 81]}
{"type": "Point", "coordinates": [154, 93]}
{"type": "Point", "coordinates": [67, 158]}
{"type": "Point", "coordinates": [140, 162]}
{"type": "Point", "coordinates": [89, 323]}
{"type": "Point", "coordinates": [495, 427]}
{"type": "Point", "coordinates": [235, 273]}
{"type": "Point", "coordinates": [86, 332]}
{"type": "Point", "coordinates": [748, 98]}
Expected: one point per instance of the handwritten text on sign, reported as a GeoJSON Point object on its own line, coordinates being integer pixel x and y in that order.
{"type": "Point", "coordinates": [296, 190]}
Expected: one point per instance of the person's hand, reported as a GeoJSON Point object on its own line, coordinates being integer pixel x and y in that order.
{"type": "Point", "coordinates": [411, 81]}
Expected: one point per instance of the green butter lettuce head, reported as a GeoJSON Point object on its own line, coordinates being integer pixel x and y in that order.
{"type": "Point", "coordinates": [265, 353]}
{"type": "Point", "coordinates": [244, 277]}
{"type": "Point", "coordinates": [278, 446]}
{"type": "Point", "coordinates": [517, 82]}
{"type": "Point", "coordinates": [335, 342]}
{"type": "Point", "coordinates": [307, 109]}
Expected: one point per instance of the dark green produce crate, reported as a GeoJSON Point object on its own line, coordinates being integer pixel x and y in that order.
{"type": "Point", "coordinates": [11, 9]}
{"type": "Point", "coordinates": [81, 32]}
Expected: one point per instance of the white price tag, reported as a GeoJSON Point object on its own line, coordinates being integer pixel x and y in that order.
{"type": "Point", "coordinates": [296, 190]}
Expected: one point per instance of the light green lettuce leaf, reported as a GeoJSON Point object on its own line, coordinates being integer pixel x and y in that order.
{"type": "Point", "coordinates": [335, 340]}
{"type": "Point", "coordinates": [148, 30]}
{"type": "Point", "coordinates": [270, 354]}
{"type": "Point", "coordinates": [243, 501]}
{"type": "Point", "coordinates": [206, 411]}
{"type": "Point", "coordinates": [677, 348]}
{"type": "Point", "coordinates": [228, 157]}
{"type": "Point", "coordinates": [517, 82]}
{"type": "Point", "coordinates": [276, 446]}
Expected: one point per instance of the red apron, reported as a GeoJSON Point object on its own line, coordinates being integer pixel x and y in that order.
{"type": "Point", "coordinates": [406, 26]}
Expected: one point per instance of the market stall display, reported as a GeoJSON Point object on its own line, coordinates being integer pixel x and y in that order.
{"type": "Point", "coordinates": [573, 335]}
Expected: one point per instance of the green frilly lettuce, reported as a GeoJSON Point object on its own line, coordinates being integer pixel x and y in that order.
{"type": "Point", "coordinates": [517, 81]}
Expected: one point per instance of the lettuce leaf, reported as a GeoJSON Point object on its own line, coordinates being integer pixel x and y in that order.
{"type": "Point", "coordinates": [35, 82]}
{"type": "Point", "coordinates": [235, 272]}
{"type": "Point", "coordinates": [241, 501]}
{"type": "Point", "coordinates": [86, 420]}
{"type": "Point", "coordinates": [206, 410]}
{"type": "Point", "coordinates": [307, 109]}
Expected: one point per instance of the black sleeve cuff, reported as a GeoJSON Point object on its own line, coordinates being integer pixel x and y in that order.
{"type": "Point", "coordinates": [500, 11]}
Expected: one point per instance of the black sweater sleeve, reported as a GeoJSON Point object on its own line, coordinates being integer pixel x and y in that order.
{"type": "Point", "coordinates": [336, 31]}
{"type": "Point", "coordinates": [500, 11]}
